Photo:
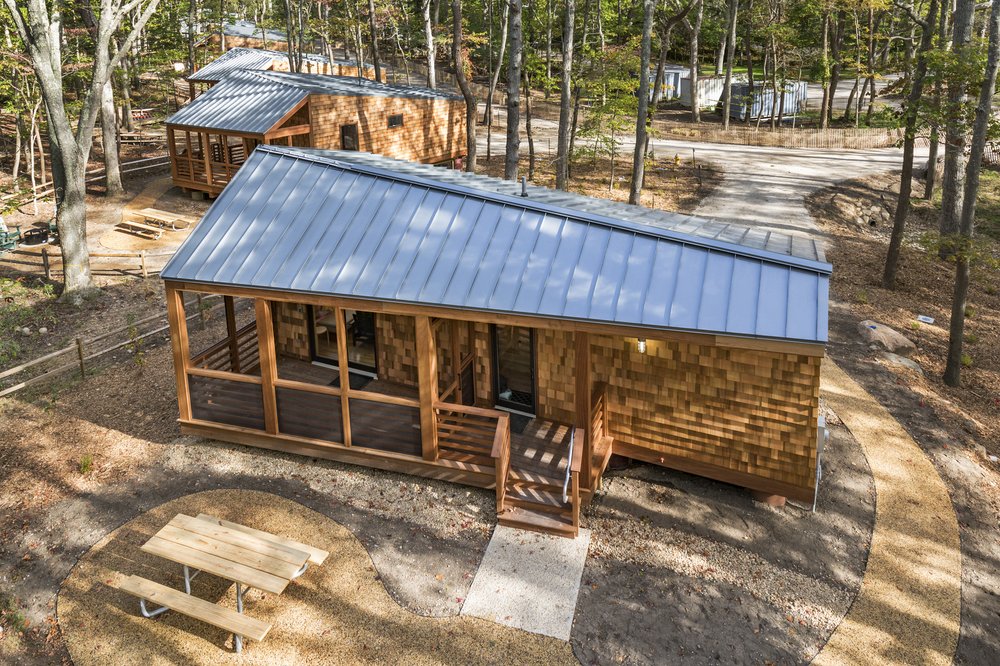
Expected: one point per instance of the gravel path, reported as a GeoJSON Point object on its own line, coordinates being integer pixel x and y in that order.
{"type": "Point", "coordinates": [908, 609]}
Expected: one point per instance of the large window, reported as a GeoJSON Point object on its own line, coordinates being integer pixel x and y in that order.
{"type": "Point", "coordinates": [349, 137]}
{"type": "Point", "coordinates": [514, 367]}
{"type": "Point", "coordinates": [360, 328]}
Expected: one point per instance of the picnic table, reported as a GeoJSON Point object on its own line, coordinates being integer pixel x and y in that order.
{"type": "Point", "coordinates": [153, 222]}
{"type": "Point", "coordinates": [248, 557]}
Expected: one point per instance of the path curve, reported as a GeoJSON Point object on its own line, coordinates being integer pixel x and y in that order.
{"type": "Point", "coordinates": [908, 610]}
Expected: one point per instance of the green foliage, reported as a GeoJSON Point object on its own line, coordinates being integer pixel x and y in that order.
{"type": "Point", "coordinates": [862, 297]}
{"type": "Point", "coordinates": [22, 306]}
{"type": "Point", "coordinates": [10, 615]}
{"type": "Point", "coordinates": [86, 463]}
{"type": "Point", "coordinates": [966, 360]}
{"type": "Point", "coordinates": [135, 345]}
{"type": "Point", "coordinates": [971, 338]}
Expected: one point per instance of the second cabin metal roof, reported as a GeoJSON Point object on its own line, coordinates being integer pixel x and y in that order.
{"type": "Point", "coordinates": [257, 59]}
{"type": "Point", "coordinates": [334, 223]}
{"type": "Point", "coordinates": [252, 102]}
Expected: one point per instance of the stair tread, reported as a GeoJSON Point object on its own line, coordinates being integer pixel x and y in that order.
{"type": "Point", "coordinates": [537, 496]}
{"type": "Point", "coordinates": [538, 521]}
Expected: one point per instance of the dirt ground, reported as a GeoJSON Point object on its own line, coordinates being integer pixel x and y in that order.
{"type": "Point", "coordinates": [958, 428]}
{"type": "Point", "coordinates": [667, 186]}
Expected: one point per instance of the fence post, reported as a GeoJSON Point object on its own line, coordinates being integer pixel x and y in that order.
{"type": "Point", "coordinates": [142, 263]}
{"type": "Point", "coordinates": [45, 262]}
{"type": "Point", "coordinates": [79, 353]}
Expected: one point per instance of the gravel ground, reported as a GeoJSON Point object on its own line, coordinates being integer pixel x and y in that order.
{"type": "Point", "coordinates": [336, 613]}
{"type": "Point", "coordinates": [687, 569]}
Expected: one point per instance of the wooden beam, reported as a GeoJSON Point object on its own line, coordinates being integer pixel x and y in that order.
{"type": "Point", "coordinates": [234, 347]}
{"type": "Point", "coordinates": [179, 345]}
{"type": "Point", "coordinates": [583, 400]}
{"type": "Point", "coordinates": [456, 359]}
{"type": "Point", "coordinates": [427, 378]}
{"type": "Point", "coordinates": [268, 363]}
{"type": "Point", "coordinates": [206, 155]}
{"type": "Point", "coordinates": [172, 153]}
{"type": "Point", "coordinates": [532, 321]}
{"type": "Point", "coordinates": [288, 131]}
{"type": "Point", "coordinates": [345, 375]}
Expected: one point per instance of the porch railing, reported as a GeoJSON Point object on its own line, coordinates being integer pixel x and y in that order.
{"type": "Point", "coordinates": [599, 437]}
{"type": "Point", "coordinates": [573, 475]}
{"type": "Point", "coordinates": [236, 354]}
{"type": "Point", "coordinates": [477, 436]}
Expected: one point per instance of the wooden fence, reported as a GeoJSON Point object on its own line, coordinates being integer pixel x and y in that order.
{"type": "Point", "coordinates": [46, 189]}
{"type": "Point", "coordinates": [81, 350]}
{"type": "Point", "coordinates": [126, 261]}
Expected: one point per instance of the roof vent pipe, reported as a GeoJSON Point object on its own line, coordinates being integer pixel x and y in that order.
{"type": "Point", "coordinates": [524, 186]}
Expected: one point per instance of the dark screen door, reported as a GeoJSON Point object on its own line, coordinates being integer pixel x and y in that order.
{"type": "Point", "coordinates": [514, 367]}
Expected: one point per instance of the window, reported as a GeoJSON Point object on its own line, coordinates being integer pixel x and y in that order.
{"type": "Point", "coordinates": [348, 137]}
{"type": "Point", "coordinates": [396, 120]}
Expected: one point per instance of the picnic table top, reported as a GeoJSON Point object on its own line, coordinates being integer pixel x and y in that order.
{"type": "Point", "coordinates": [231, 551]}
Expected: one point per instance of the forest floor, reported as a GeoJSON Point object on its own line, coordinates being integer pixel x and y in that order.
{"type": "Point", "coordinates": [958, 428]}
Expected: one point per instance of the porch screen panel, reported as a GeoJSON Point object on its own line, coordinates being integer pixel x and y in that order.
{"type": "Point", "coordinates": [229, 402]}
{"type": "Point", "coordinates": [307, 414]}
{"type": "Point", "coordinates": [387, 427]}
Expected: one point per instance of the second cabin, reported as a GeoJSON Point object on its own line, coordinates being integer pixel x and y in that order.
{"type": "Point", "coordinates": [210, 138]}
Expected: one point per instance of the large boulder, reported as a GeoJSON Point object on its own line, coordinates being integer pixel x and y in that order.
{"type": "Point", "coordinates": [883, 336]}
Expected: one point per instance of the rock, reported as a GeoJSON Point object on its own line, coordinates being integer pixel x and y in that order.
{"type": "Point", "coordinates": [43, 330]}
{"type": "Point", "coordinates": [902, 361]}
{"type": "Point", "coordinates": [26, 331]}
{"type": "Point", "coordinates": [889, 339]}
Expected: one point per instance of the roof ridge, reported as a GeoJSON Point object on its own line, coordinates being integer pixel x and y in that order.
{"type": "Point", "coordinates": [770, 256]}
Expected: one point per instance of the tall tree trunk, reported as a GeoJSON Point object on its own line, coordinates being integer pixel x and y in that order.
{"type": "Point", "coordinates": [425, 7]}
{"type": "Point", "coordinates": [910, 113]}
{"type": "Point", "coordinates": [109, 142]}
{"type": "Point", "coordinates": [727, 94]}
{"type": "Point", "coordinates": [955, 131]}
{"type": "Point", "coordinates": [495, 78]}
{"type": "Point", "coordinates": [376, 61]}
{"type": "Point", "coordinates": [966, 228]}
{"type": "Point", "coordinates": [565, 83]}
{"type": "Point", "coordinates": [935, 138]}
{"type": "Point", "coordinates": [513, 98]}
{"type": "Point", "coordinates": [471, 112]}
{"type": "Point", "coordinates": [838, 40]}
{"type": "Point", "coordinates": [549, 12]}
{"type": "Point", "coordinates": [825, 65]}
{"type": "Point", "coordinates": [694, 30]}
{"type": "Point", "coordinates": [748, 45]}
{"type": "Point", "coordinates": [527, 121]}
{"type": "Point", "coordinates": [192, 20]}
{"type": "Point", "coordinates": [642, 115]}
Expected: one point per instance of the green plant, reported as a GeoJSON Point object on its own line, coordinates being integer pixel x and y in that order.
{"type": "Point", "coordinates": [966, 360]}
{"type": "Point", "coordinates": [10, 615]}
{"type": "Point", "coordinates": [970, 311]}
{"type": "Point", "coordinates": [86, 463]}
{"type": "Point", "coordinates": [915, 325]}
{"type": "Point", "coordinates": [971, 338]}
{"type": "Point", "coordinates": [862, 297]}
{"type": "Point", "coordinates": [135, 342]}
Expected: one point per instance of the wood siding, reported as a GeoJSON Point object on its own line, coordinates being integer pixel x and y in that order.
{"type": "Point", "coordinates": [433, 130]}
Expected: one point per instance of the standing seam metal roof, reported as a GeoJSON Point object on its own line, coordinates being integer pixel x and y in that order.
{"type": "Point", "coordinates": [258, 59]}
{"type": "Point", "coordinates": [253, 102]}
{"type": "Point", "coordinates": [308, 221]}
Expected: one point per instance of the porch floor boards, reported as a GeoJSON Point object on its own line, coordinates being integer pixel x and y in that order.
{"type": "Point", "coordinates": [540, 453]}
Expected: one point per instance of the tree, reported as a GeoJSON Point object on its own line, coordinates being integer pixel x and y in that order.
{"type": "Point", "coordinates": [513, 96]}
{"type": "Point", "coordinates": [910, 113]}
{"type": "Point", "coordinates": [966, 229]}
{"type": "Point", "coordinates": [40, 31]}
{"type": "Point", "coordinates": [463, 83]}
{"type": "Point", "coordinates": [694, 32]}
{"type": "Point", "coordinates": [425, 7]}
{"type": "Point", "coordinates": [565, 97]}
{"type": "Point", "coordinates": [642, 114]}
{"type": "Point", "coordinates": [955, 124]}
{"type": "Point", "coordinates": [734, 6]}
{"type": "Point", "coordinates": [373, 29]}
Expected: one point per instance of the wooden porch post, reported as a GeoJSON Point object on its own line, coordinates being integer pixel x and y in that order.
{"type": "Point", "coordinates": [206, 155]}
{"type": "Point", "coordinates": [268, 363]}
{"type": "Point", "coordinates": [456, 360]}
{"type": "Point", "coordinates": [428, 380]}
{"type": "Point", "coordinates": [345, 376]}
{"type": "Point", "coordinates": [172, 152]}
{"type": "Point", "coordinates": [179, 346]}
{"type": "Point", "coordinates": [583, 401]}
{"type": "Point", "coordinates": [234, 348]}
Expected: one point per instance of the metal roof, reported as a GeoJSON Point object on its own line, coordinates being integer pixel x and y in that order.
{"type": "Point", "coordinates": [322, 222]}
{"type": "Point", "coordinates": [253, 101]}
{"type": "Point", "coordinates": [259, 59]}
{"type": "Point", "coordinates": [250, 29]}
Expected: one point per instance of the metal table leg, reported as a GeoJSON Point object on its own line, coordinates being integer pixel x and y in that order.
{"type": "Point", "coordinates": [237, 639]}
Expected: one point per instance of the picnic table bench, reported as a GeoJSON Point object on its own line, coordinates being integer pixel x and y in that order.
{"type": "Point", "coordinates": [163, 218]}
{"type": "Point", "coordinates": [246, 556]}
{"type": "Point", "coordinates": [140, 228]}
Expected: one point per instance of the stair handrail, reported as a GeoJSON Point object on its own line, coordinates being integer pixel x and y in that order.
{"type": "Point", "coordinates": [501, 456]}
{"type": "Point", "coordinates": [569, 464]}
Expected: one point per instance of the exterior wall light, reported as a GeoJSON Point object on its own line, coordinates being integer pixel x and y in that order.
{"type": "Point", "coordinates": [641, 345]}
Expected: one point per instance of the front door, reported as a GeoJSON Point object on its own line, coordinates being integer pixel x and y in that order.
{"type": "Point", "coordinates": [360, 327]}
{"type": "Point", "coordinates": [514, 368]}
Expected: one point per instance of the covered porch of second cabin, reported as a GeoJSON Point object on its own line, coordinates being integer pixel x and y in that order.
{"type": "Point", "coordinates": [412, 393]}
{"type": "Point", "coordinates": [205, 158]}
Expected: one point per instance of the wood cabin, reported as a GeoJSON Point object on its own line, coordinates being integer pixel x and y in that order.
{"type": "Point", "coordinates": [263, 60]}
{"type": "Point", "coordinates": [438, 323]}
{"type": "Point", "coordinates": [246, 34]}
{"type": "Point", "coordinates": [210, 138]}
